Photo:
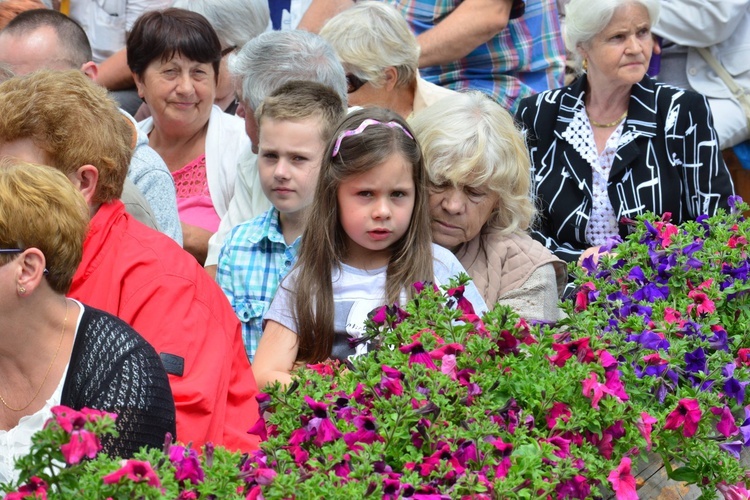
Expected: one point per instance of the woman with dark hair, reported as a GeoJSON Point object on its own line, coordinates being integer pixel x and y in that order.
{"type": "Point", "coordinates": [175, 56]}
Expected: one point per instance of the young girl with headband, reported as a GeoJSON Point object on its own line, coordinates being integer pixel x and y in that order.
{"type": "Point", "coordinates": [366, 242]}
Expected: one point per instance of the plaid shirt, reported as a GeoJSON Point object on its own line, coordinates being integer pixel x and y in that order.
{"type": "Point", "coordinates": [253, 261]}
{"type": "Point", "coordinates": [525, 58]}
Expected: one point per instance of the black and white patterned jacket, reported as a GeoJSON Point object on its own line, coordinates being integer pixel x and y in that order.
{"type": "Point", "coordinates": [668, 160]}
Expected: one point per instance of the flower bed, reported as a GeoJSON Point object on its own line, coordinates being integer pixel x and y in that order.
{"type": "Point", "coordinates": [653, 356]}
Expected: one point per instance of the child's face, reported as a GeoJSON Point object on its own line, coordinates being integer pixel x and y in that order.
{"type": "Point", "coordinates": [375, 211]}
{"type": "Point", "coordinates": [289, 158]}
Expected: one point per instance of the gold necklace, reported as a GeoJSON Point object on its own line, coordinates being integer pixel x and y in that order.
{"type": "Point", "coordinates": [607, 125]}
{"type": "Point", "coordinates": [49, 368]}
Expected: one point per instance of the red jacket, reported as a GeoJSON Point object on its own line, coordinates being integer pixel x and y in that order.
{"type": "Point", "coordinates": [146, 279]}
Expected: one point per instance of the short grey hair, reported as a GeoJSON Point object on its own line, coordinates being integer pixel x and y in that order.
{"type": "Point", "coordinates": [236, 22]}
{"type": "Point", "coordinates": [468, 137]}
{"type": "Point", "coordinates": [276, 57]}
{"type": "Point", "coordinates": [584, 19]}
{"type": "Point", "coordinates": [370, 37]}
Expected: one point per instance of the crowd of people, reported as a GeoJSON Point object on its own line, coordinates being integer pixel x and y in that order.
{"type": "Point", "coordinates": [280, 185]}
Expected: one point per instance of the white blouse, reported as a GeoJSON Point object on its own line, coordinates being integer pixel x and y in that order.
{"type": "Point", "coordinates": [602, 222]}
{"type": "Point", "coordinates": [16, 442]}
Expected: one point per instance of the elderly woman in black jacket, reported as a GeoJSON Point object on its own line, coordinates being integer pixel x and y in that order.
{"type": "Point", "coordinates": [615, 144]}
{"type": "Point", "coordinates": [55, 350]}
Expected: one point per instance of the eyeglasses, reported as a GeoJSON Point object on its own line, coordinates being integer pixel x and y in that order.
{"type": "Point", "coordinates": [353, 83]}
{"type": "Point", "coordinates": [228, 50]}
{"type": "Point", "coordinates": [19, 250]}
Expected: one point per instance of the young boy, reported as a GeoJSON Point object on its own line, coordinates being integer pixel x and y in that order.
{"type": "Point", "coordinates": [295, 124]}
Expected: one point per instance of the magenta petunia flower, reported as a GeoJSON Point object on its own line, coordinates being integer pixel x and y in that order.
{"type": "Point", "coordinates": [187, 465]}
{"type": "Point", "coordinates": [35, 488]}
{"type": "Point", "coordinates": [417, 355]}
{"type": "Point", "coordinates": [82, 444]}
{"type": "Point", "coordinates": [586, 294]}
{"type": "Point", "coordinates": [68, 418]}
{"type": "Point", "coordinates": [259, 429]}
{"type": "Point", "coordinates": [687, 415]}
{"type": "Point", "coordinates": [595, 390]}
{"type": "Point", "coordinates": [614, 384]}
{"type": "Point", "coordinates": [380, 315]}
{"type": "Point", "coordinates": [575, 487]}
{"type": "Point", "coordinates": [743, 357]}
{"type": "Point", "coordinates": [462, 303]}
{"type": "Point", "coordinates": [366, 432]}
{"type": "Point", "coordinates": [623, 481]}
{"type": "Point", "coordinates": [134, 470]}
{"type": "Point", "coordinates": [558, 411]}
{"type": "Point", "coordinates": [578, 348]}
{"type": "Point", "coordinates": [320, 426]}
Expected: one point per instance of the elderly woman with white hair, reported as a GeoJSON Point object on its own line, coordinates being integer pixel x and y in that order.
{"type": "Point", "coordinates": [615, 144]}
{"type": "Point", "coordinates": [478, 168]}
{"type": "Point", "coordinates": [381, 61]}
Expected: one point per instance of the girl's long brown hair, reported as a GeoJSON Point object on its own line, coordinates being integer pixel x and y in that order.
{"type": "Point", "coordinates": [323, 244]}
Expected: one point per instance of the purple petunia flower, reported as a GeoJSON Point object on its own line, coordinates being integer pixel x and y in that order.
{"type": "Point", "coordinates": [651, 292]}
{"type": "Point", "coordinates": [695, 361]}
{"type": "Point", "coordinates": [733, 448]}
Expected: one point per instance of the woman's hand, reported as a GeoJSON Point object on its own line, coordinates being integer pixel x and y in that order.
{"type": "Point", "coordinates": [195, 240]}
{"type": "Point", "coordinates": [595, 252]}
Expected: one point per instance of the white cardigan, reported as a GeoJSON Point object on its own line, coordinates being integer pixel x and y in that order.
{"type": "Point", "coordinates": [225, 141]}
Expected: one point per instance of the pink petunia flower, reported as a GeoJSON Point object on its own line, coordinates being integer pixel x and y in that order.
{"type": "Point", "coordinates": [82, 443]}
{"type": "Point", "coordinates": [687, 415]}
{"type": "Point", "coordinates": [645, 423]}
{"type": "Point", "coordinates": [701, 303]}
{"type": "Point", "coordinates": [133, 470]}
{"type": "Point", "coordinates": [733, 491]}
{"type": "Point", "coordinates": [726, 425]}
{"type": "Point", "coordinates": [623, 481]}
{"type": "Point", "coordinates": [595, 390]}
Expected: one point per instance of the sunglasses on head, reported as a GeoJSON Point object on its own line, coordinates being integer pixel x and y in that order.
{"type": "Point", "coordinates": [353, 83]}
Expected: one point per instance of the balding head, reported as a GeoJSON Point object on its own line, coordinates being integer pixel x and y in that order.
{"type": "Point", "coordinates": [45, 39]}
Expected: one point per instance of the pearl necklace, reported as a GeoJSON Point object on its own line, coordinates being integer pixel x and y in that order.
{"type": "Point", "coordinates": [49, 368]}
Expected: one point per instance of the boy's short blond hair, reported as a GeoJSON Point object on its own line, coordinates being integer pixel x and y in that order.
{"type": "Point", "coordinates": [301, 99]}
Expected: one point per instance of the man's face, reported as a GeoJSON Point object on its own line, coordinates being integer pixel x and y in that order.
{"type": "Point", "coordinates": [245, 112]}
{"type": "Point", "coordinates": [29, 52]}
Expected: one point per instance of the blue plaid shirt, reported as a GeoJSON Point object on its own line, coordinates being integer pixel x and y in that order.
{"type": "Point", "coordinates": [253, 261]}
{"type": "Point", "coordinates": [525, 58]}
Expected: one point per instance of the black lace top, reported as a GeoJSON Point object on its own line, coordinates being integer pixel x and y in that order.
{"type": "Point", "coordinates": [113, 369]}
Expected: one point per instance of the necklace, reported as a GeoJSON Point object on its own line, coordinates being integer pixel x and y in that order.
{"type": "Point", "coordinates": [46, 374]}
{"type": "Point", "coordinates": [607, 125]}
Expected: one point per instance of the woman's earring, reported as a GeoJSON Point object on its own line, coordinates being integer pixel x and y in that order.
{"type": "Point", "coordinates": [585, 65]}
{"type": "Point", "coordinates": [21, 290]}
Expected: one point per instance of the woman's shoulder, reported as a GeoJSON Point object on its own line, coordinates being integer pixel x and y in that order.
{"type": "Point", "coordinates": [109, 332]}
{"type": "Point", "coordinates": [669, 95]}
